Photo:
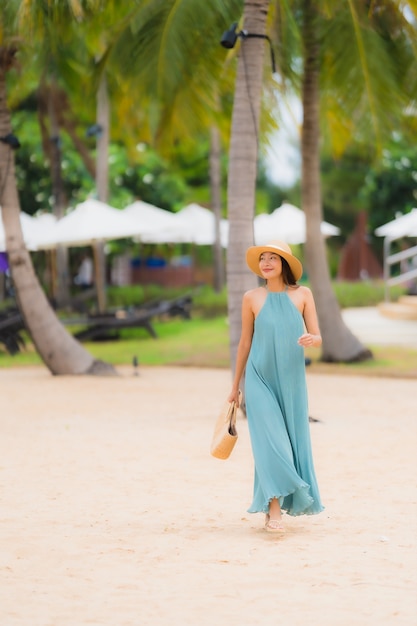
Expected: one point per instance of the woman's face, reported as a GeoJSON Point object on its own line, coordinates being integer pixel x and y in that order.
{"type": "Point", "coordinates": [270, 265]}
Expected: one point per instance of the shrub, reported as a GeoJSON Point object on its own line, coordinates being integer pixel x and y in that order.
{"type": "Point", "coordinates": [363, 293]}
{"type": "Point", "coordinates": [135, 295]}
{"type": "Point", "coordinates": [207, 303]}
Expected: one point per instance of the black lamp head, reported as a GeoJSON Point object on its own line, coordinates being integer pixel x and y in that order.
{"type": "Point", "coordinates": [11, 140]}
{"type": "Point", "coordinates": [229, 37]}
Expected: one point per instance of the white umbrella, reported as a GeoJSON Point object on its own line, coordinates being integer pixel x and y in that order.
{"type": "Point", "coordinates": [31, 229]}
{"type": "Point", "coordinates": [403, 226]}
{"type": "Point", "coordinates": [201, 223]}
{"type": "Point", "coordinates": [42, 226]}
{"type": "Point", "coordinates": [89, 222]}
{"type": "Point", "coordinates": [155, 225]}
{"type": "Point", "coordinates": [287, 223]}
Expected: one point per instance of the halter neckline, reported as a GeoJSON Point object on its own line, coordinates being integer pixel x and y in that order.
{"type": "Point", "coordinates": [282, 291]}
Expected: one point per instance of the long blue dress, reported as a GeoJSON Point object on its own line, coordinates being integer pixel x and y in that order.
{"type": "Point", "coordinates": [277, 411]}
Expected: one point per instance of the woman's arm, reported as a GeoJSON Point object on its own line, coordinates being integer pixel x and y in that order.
{"type": "Point", "coordinates": [312, 338]}
{"type": "Point", "coordinates": [244, 346]}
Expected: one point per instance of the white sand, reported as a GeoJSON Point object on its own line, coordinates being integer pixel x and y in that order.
{"type": "Point", "coordinates": [113, 512]}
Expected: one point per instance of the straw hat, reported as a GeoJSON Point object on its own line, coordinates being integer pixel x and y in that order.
{"type": "Point", "coordinates": [277, 247]}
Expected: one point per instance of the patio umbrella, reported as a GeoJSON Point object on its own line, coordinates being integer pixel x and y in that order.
{"type": "Point", "coordinates": [89, 222]}
{"type": "Point", "coordinates": [288, 223]}
{"type": "Point", "coordinates": [31, 228]}
{"type": "Point", "coordinates": [403, 226]}
{"type": "Point", "coordinates": [156, 225]}
{"type": "Point", "coordinates": [42, 225]}
{"type": "Point", "coordinates": [201, 223]}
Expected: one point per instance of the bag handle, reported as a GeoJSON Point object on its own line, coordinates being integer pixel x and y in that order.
{"type": "Point", "coordinates": [233, 409]}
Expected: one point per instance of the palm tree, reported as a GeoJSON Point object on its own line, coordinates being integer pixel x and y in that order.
{"type": "Point", "coordinates": [367, 83]}
{"type": "Point", "coordinates": [61, 288]}
{"type": "Point", "coordinates": [215, 189]}
{"type": "Point", "coordinates": [61, 353]}
{"type": "Point", "coordinates": [102, 182]}
{"type": "Point", "coordinates": [339, 344]}
{"type": "Point", "coordinates": [243, 159]}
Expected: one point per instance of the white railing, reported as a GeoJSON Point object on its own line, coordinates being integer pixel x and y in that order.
{"type": "Point", "coordinates": [392, 259]}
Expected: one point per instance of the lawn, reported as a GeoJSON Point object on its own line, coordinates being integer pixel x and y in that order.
{"type": "Point", "coordinates": [205, 343]}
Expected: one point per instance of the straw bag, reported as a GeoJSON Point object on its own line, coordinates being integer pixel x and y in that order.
{"type": "Point", "coordinates": [225, 432]}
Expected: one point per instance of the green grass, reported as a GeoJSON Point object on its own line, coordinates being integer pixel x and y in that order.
{"type": "Point", "coordinates": [205, 343]}
{"type": "Point", "coordinates": [193, 342]}
{"type": "Point", "coordinates": [180, 342]}
{"type": "Point", "coordinates": [390, 361]}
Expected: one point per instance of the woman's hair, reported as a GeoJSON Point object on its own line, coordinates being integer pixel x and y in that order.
{"type": "Point", "coordinates": [287, 274]}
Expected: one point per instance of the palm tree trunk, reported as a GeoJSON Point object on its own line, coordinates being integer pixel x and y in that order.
{"type": "Point", "coordinates": [66, 121]}
{"type": "Point", "coordinates": [215, 187]}
{"type": "Point", "coordinates": [60, 352]}
{"type": "Point", "coordinates": [243, 164]}
{"type": "Point", "coordinates": [339, 344]}
{"type": "Point", "coordinates": [102, 184]}
{"type": "Point", "coordinates": [61, 288]}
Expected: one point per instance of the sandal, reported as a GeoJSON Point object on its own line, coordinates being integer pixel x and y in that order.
{"type": "Point", "coordinates": [274, 525]}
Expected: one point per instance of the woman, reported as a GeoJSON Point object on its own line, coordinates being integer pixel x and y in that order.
{"type": "Point", "coordinates": [278, 321]}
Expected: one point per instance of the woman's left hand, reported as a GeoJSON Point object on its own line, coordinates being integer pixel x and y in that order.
{"type": "Point", "coordinates": [306, 340]}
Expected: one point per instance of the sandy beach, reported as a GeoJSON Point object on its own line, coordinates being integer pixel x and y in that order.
{"type": "Point", "coordinates": [114, 513]}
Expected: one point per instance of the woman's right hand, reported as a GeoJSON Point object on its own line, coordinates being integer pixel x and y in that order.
{"type": "Point", "coordinates": [235, 396]}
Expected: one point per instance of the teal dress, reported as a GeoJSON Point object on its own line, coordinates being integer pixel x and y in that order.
{"type": "Point", "coordinates": [277, 411]}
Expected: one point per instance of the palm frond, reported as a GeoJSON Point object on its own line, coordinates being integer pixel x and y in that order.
{"type": "Point", "coordinates": [172, 48]}
{"type": "Point", "coordinates": [365, 61]}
